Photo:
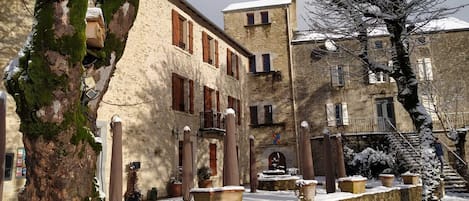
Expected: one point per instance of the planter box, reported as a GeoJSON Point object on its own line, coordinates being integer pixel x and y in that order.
{"type": "Point", "coordinates": [386, 179]}
{"type": "Point", "coordinates": [412, 179]}
{"type": "Point", "coordinates": [277, 182]}
{"type": "Point", "coordinates": [226, 193]}
{"type": "Point", "coordinates": [355, 185]}
{"type": "Point", "coordinates": [306, 189]}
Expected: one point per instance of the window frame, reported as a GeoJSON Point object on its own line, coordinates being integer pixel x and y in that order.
{"type": "Point", "coordinates": [213, 158]}
{"type": "Point", "coordinates": [250, 19]}
{"type": "Point", "coordinates": [182, 30]}
{"type": "Point", "coordinates": [265, 17]}
{"type": "Point", "coordinates": [182, 94]}
{"type": "Point", "coordinates": [8, 172]}
{"type": "Point", "coordinates": [266, 66]}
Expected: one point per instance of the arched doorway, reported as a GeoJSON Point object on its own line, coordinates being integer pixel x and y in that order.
{"type": "Point", "coordinates": [277, 161]}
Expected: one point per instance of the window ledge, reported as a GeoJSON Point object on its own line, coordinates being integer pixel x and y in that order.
{"type": "Point", "coordinates": [279, 124]}
{"type": "Point", "coordinates": [183, 50]}
{"type": "Point", "coordinates": [264, 73]}
{"type": "Point", "coordinates": [256, 25]}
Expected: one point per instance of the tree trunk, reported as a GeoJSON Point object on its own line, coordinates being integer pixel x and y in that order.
{"type": "Point", "coordinates": [407, 85]}
{"type": "Point", "coordinates": [46, 82]}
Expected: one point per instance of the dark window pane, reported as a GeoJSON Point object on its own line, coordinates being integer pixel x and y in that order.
{"type": "Point", "coordinates": [268, 114]}
{"type": "Point", "coordinates": [253, 113]}
{"type": "Point", "coordinates": [252, 64]}
{"type": "Point", "coordinates": [8, 166]}
{"type": "Point", "coordinates": [378, 44]}
{"type": "Point", "coordinates": [266, 62]}
{"type": "Point", "coordinates": [250, 17]}
{"type": "Point", "coordinates": [265, 17]}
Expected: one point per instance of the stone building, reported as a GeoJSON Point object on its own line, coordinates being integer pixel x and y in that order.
{"type": "Point", "coordinates": [178, 69]}
{"type": "Point", "coordinates": [333, 90]}
{"type": "Point", "coordinates": [265, 28]}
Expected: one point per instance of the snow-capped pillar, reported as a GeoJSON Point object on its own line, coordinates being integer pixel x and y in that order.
{"type": "Point", "coordinates": [330, 170]}
{"type": "Point", "coordinates": [252, 165]}
{"type": "Point", "coordinates": [230, 165]}
{"type": "Point", "coordinates": [187, 174]}
{"type": "Point", "coordinates": [307, 155]}
{"type": "Point", "coordinates": [3, 108]}
{"type": "Point", "coordinates": [115, 182]}
{"type": "Point", "coordinates": [340, 157]}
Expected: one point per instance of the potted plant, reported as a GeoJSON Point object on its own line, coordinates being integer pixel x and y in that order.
{"type": "Point", "coordinates": [203, 174]}
{"type": "Point", "coordinates": [175, 185]}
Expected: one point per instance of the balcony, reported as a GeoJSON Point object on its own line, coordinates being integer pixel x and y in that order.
{"type": "Point", "coordinates": [212, 122]}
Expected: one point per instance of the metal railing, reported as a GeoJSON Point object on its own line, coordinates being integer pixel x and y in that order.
{"type": "Point", "coordinates": [211, 120]}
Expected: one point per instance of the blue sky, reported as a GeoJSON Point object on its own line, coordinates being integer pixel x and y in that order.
{"type": "Point", "coordinates": [212, 9]}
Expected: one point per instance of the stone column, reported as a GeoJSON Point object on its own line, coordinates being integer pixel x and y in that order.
{"type": "Point", "coordinates": [230, 165]}
{"type": "Point", "coordinates": [252, 165]}
{"type": "Point", "coordinates": [187, 174]}
{"type": "Point", "coordinates": [307, 155]}
{"type": "Point", "coordinates": [340, 157]}
{"type": "Point", "coordinates": [330, 170]}
{"type": "Point", "coordinates": [3, 109]}
{"type": "Point", "coordinates": [115, 182]}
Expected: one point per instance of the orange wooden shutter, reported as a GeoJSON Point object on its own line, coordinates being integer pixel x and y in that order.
{"type": "Point", "coordinates": [175, 16]}
{"type": "Point", "coordinates": [217, 62]}
{"type": "Point", "coordinates": [213, 158]}
{"type": "Point", "coordinates": [237, 67]}
{"type": "Point", "coordinates": [191, 96]}
{"type": "Point", "coordinates": [218, 101]}
{"type": "Point", "coordinates": [228, 62]}
{"type": "Point", "coordinates": [205, 46]}
{"type": "Point", "coordinates": [191, 37]}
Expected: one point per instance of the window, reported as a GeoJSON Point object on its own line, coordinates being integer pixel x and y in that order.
{"type": "Point", "coordinates": [180, 152]}
{"type": "Point", "coordinates": [253, 115]}
{"type": "Point", "coordinates": [380, 77]}
{"type": "Point", "coordinates": [250, 18]}
{"type": "Point", "coordinates": [421, 40]}
{"type": "Point", "coordinates": [268, 114]}
{"type": "Point", "coordinates": [265, 17]}
{"type": "Point", "coordinates": [213, 158]}
{"type": "Point", "coordinates": [182, 94]}
{"type": "Point", "coordinates": [337, 114]}
{"type": "Point", "coordinates": [425, 69]}
{"type": "Point", "coordinates": [182, 32]}
{"type": "Point", "coordinates": [8, 166]}
{"type": "Point", "coordinates": [232, 64]}
{"type": "Point", "coordinates": [252, 64]}
{"type": "Point", "coordinates": [266, 62]}
{"type": "Point", "coordinates": [379, 44]}
{"type": "Point", "coordinates": [235, 104]}
{"type": "Point", "coordinates": [338, 76]}
{"type": "Point", "coordinates": [210, 50]}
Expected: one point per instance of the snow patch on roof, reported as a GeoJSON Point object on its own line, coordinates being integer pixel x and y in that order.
{"type": "Point", "coordinates": [255, 4]}
{"type": "Point", "coordinates": [444, 24]}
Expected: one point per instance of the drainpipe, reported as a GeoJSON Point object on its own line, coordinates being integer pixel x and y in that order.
{"type": "Point", "coordinates": [292, 83]}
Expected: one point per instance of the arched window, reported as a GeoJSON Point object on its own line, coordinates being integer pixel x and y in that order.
{"type": "Point", "coordinates": [277, 161]}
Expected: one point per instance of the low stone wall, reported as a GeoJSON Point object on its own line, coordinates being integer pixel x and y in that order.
{"type": "Point", "coordinates": [407, 193]}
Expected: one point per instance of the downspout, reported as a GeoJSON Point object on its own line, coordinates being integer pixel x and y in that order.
{"type": "Point", "coordinates": [292, 83]}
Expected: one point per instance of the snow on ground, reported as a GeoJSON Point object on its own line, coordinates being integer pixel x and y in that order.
{"type": "Point", "coordinates": [321, 195]}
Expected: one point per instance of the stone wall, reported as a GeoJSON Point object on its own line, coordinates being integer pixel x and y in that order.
{"type": "Point", "coordinates": [412, 193]}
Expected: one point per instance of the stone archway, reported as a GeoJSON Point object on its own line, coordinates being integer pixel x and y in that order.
{"type": "Point", "coordinates": [277, 161]}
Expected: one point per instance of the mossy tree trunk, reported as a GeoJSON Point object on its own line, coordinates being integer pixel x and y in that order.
{"type": "Point", "coordinates": [46, 83]}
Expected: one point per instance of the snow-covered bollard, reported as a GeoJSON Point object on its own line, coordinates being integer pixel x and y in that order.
{"type": "Point", "coordinates": [306, 189]}
{"type": "Point", "coordinates": [353, 184]}
{"type": "Point", "coordinates": [410, 178]}
{"type": "Point", "coordinates": [386, 179]}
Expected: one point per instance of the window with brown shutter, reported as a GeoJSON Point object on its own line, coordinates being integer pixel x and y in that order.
{"type": "Point", "coordinates": [228, 62]}
{"type": "Point", "coordinates": [182, 94]}
{"type": "Point", "coordinates": [191, 37]}
{"type": "Point", "coordinates": [213, 158]}
{"type": "Point", "coordinates": [237, 67]}
{"type": "Point", "coordinates": [191, 96]}
{"type": "Point", "coordinates": [238, 110]}
{"type": "Point", "coordinates": [175, 18]}
{"type": "Point", "coordinates": [217, 62]}
{"type": "Point", "coordinates": [218, 101]}
{"type": "Point", "coordinates": [205, 47]}
{"type": "Point", "coordinates": [268, 114]}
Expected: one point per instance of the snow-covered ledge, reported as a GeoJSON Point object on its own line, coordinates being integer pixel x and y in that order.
{"type": "Point", "coordinates": [225, 193]}
{"type": "Point", "coordinates": [353, 184]}
{"type": "Point", "coordinates": [306, 189]}
{"type": "Point", "coordinates": [410, 178]}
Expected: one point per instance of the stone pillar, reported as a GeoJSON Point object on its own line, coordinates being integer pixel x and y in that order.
{"type": "Point", "coordinates": [330, 170]}
{"type": "Point", "coordinates": [230, 165]}
{"type": "Point", "coordinates": [187, 174]}
{"type": "Point", "coordinates": [3, 109]}
{"type": "Point", "coordinates": [340, 157]}
{"type": "Point", "coordinates": [115, 182]}
{"type": "Point", "coordinates": [307, 155]}
{"type": "Point", "coordinates": [252, 165]}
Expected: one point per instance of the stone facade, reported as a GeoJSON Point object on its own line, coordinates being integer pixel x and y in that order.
{"type": "Point", "coordinates": [271, 86]}
{"type": "Point", "coordinates": [368, 101]}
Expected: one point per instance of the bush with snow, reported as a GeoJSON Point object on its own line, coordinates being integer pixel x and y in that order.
{"type": "Point", "coordinates": [369, 162]}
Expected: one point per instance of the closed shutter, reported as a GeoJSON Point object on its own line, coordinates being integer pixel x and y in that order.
{"type": "Point", "coordinates": [252, 63]}
{"type": "Point", "coordinates": [191, 37]}
{"type": "Point", "coordinates": [176, 31]}
{"type": "Point", "coordinates": [178, 92]}
{"type": "Point", "coordinates": [372, 77]}
{"type": "Point", "coordinates": [217, 62]}
{"type": "Point", "coordinates": [345, 119]}
{"type": "Point", "coordinates": [218, 101]}
{"type": "Point", "coordinates": [205, 47]}
{"type": "Point", "coordinates": [191, 96]}
{"type": "Point", "coordinates": [421, 69]}
{"type": "Point", "coordinates": [238, 110]}
{"type": "Point", "coordinates": [213, 158]}
{"type": "Point", "coordinates": [237, 67]}
{"type": "Point", "coordinates": [228, 62]}
{"type": "Point", "coordinates": [330, 113]}
{"type": "Point", "coordinates": [253, 115]}
{"type": "Point", "coordinates": [428, 68]}
{"type": "Point", "coordinates": [335, 76]}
